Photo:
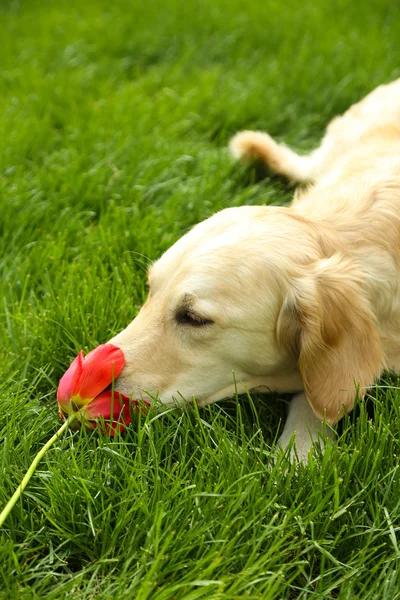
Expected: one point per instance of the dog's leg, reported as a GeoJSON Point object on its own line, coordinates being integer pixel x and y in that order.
{"type": "Point", "coordinates": [302, 422]}
{"type": "Point", "coordinates": [277, 157]}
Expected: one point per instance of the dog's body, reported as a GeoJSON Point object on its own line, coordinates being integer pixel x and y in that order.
{"type": "Point", "coordinates": [301, 299]}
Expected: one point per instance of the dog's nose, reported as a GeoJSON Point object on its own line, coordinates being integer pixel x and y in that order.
{"type": "Point", "coordinates": [88, 376]}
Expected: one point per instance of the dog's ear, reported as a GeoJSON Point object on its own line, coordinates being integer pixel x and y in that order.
{"type": "Point", "coordinates": [326, 321]}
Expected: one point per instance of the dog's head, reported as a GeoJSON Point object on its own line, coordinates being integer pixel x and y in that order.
{"type": "Point", "coordinates": [246, 299]}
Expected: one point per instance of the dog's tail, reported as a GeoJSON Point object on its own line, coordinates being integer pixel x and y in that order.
{"type": "Point", "coordinates": [280, 159]}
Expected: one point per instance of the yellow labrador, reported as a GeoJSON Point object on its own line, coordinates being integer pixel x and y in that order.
{"type": "Point", "coordinates": [302, 299]}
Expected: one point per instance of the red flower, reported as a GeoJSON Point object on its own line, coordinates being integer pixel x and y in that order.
{"type": "Point", "coordinates": [82, 388]}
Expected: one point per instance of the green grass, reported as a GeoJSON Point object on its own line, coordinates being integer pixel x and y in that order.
{"type": "Point", "coordinates": [114, 120]}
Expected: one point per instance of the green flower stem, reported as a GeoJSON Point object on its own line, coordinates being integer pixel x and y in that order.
{"type": "Point", "coordinates": [18, 492]}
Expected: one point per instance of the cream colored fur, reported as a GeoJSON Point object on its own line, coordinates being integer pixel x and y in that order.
{"type": "Point", "coordinates": [301, 299]}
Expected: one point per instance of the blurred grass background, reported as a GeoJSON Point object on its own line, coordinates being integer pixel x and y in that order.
{"type": "Point", "coordinates": [114, 121]}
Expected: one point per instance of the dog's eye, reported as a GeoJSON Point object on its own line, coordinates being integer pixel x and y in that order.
{"type": "Point", "coordinates": [187, 317]}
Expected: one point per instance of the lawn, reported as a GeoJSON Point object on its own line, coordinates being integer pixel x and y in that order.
{"type": "Point", "coordinates": [114, 122]}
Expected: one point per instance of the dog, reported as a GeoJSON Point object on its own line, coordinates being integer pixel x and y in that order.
{"type": "Point", "coordinates": [302, 299]}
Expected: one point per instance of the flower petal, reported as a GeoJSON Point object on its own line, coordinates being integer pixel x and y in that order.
{"type": "Point", "coordinates": [114, 408]}
{"type": "Point", "coordinates": [100, 367]}
{"type": "Point", "coordinates": [69, 381]}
